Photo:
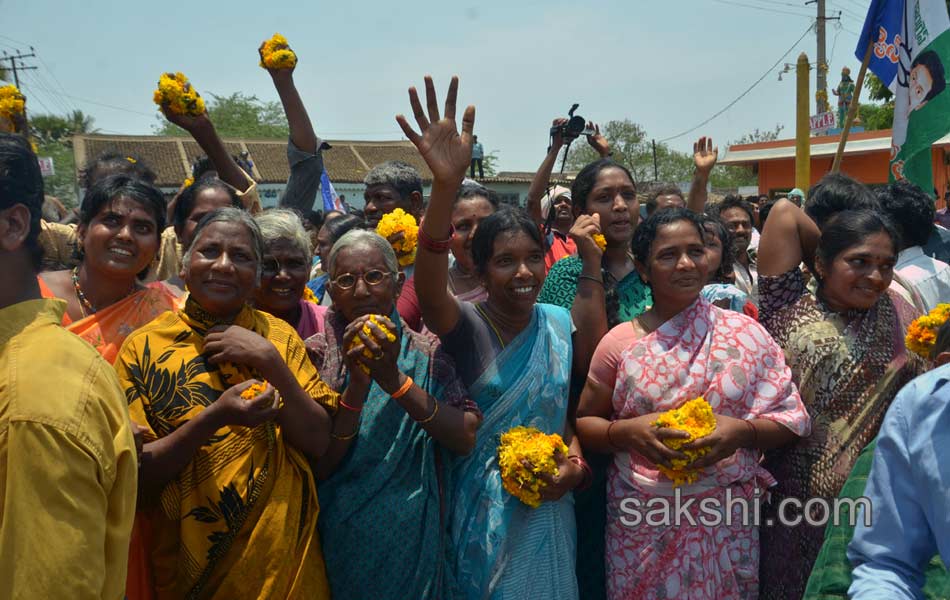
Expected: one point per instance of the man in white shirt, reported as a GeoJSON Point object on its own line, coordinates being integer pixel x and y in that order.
{"type": "Point", "coordinates": [923, 280]}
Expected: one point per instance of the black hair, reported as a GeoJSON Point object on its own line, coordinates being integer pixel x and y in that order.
{"type": "Point", "coordinates": [502, 221]}
{"type": "Point", "coordinates": [587, 179]}
{"type": "Point", "coordinates": [342, 224]}
{"type": "Point", "coordinates": [188, 196]}
{"type": "Point", "coordinates": [113, 163]}
{"type": "Point", "coordinates": [764, 211]}
{"type": "Point", "coordinates": [662, 189]}
{"type": "Point", "coordinates": [106, 190]}
{"type": "Point", "coordinates": [931, 61]}
{"type": "Point", "coordinates": [725, 272]}
{"type": "Point", "coordinates": [476, 190]}
{"type": "Point", "coordinates": [834, 193]}
{"type": "Point", "coordinates": [202, 167]}
{"type": "Point", "coordinates": [733, 201]}
{"type": "Point", "coordinates": [910, 209]}
{"type": "Point", "coordinates": [22, 183]}
{"type": "Point", "coordinates": [313, 217]}
{"type": "Point", "coordinates": [849, 228]}
{"type": "Point", "coordinates": [645, 234]}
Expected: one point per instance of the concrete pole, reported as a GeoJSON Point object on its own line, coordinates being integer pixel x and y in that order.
{"type": "Point", "coordinates": [802, 125]}
{"type": "Point", "coordinates": [822, 75]}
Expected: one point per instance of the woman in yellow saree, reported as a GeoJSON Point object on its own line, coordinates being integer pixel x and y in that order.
{"type": "Point", "coordinates": [229, 465]}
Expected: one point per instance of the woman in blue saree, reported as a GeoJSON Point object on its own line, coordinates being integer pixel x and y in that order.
{"type": "Point", "coordinates": [515, 357]}
{"type": "Point", "coordinates": [386, 498]}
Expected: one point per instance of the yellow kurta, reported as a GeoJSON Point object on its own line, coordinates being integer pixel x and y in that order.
{"type": "Point", "coordinates": [240, 520]}
{"type": "Point", "coordinates": [67, 462]}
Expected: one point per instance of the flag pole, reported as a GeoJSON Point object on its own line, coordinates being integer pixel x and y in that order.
{"type": "Point", "coordinates": [852, 110]}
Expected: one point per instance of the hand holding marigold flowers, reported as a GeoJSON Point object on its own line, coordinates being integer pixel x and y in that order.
{"type": "Point", "coordinates": [176, 94]}
{"type": "Point", "coordinates": [695, 418]}
{"type": "Point", "coordinates": [600, 240]}
{"type": "Point", "coordinates": [276, 53]}
{"type": "Point", "coordinates": [922, 333]}
{"type": "Point", "coordinates": [524, 454]}
{"type": "Point", "coordinates": [368, 331]}
{"type": "Point", "coordinates": [399, 221]}
{"type": "Point", "coordinates": [255, 390]}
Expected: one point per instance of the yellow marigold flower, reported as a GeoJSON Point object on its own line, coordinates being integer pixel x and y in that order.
{"type": "Point", "coordinates": [375, 319]}
{"type": "Point", "coordinates": [600, 240]}
{"type": "Point", "coordinates": [276, 53]}
{"type": "Point", "coordinates": [400, 221]}
{"type": "Point", "coordinates": [309, 296]}
{"type": "Point", "coordinates": [254, 391]}
{"type": "Point", "coordinates": [12, 102]}
{"type": "Point", "coordinates": [188, 181]}
{"type": "Point", "coordinates": [175, 92]}
{"type": "Point", "coordinates": [695, 418]}
{"type": "Point", "coordinates": [527, 445]}
{"type": "Point", "coordinates": [922, 333]}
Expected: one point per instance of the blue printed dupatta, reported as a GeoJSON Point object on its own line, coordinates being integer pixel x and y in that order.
{"type": "Point", "coordinates": [503, 548]}
{"type": "Point", "coordinates": [381, 522]}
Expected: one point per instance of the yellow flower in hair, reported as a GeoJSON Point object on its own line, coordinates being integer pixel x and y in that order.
{"type": "Point", "coordinates": [600, 240]}
{"type": "Point", "coordinates": [523, 455]}
{"type": "Point", "coordinates": [276, 53]}
{"type": "Point", "coordinates": [175, 92]}
{"type": "Point", "coordinates": [131, 160]}
{"type": "Point", "coordinates": [375, 319]}
{"type": "Point", "coordinates": [695, 418]}
{"type": "Point", "coordinates": [12, 102]}
{"type": "Point", "coordinates": [400, 221]}
{"type": "Point", "coordinates": [922, 333]}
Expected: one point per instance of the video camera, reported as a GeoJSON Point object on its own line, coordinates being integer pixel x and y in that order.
{"type": "Point", "coordinates": [575, 127]}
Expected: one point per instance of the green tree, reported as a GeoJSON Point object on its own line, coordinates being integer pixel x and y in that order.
{"type": "Point", "coordinates": [877, 116]}
{"type": "Point", "coordinates": [728, 176]}
{"type": "Point", "coordinates": [238, 115]}
{"type": "Point", "coordinates": [490, 163]}
{"type": "Point", "coordinates": [63, 183]}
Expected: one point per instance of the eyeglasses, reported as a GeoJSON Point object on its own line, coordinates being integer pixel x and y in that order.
{"type": "Point", "coordinates": [348, 280]}
{"type": "Point", "coordinates": [271, 266]}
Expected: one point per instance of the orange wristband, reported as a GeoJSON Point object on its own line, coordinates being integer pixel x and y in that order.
{"type": "Point", "coordinates": [403, 389]}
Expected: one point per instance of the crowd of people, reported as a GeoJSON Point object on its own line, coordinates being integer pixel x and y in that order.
{"type": "Point", "coordinates": [203, 399]}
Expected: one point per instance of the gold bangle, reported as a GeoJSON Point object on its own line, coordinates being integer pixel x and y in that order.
{"type": "Point", "coordinates": [432, 416]}
{"type": "Point", "coordinates": [343, 438]}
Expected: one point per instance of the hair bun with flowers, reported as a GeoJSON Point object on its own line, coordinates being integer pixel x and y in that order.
{"type": "Point", "coordinates": [922, 333]}
{"type": "Point", "coordinates": [176, 94]}
{"type": "Point", "coordinates": [276, 53]}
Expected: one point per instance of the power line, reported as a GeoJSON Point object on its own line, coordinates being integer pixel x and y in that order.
{"type": "Point", "coordinates": [97, 103]}
{"type": "Point", "coordinates": [745, 93]}
{"type": "Point", "coordinates": [771, 10]}
{"type": "Point", "coordinates": [53, 75]}
{"type": "Point", "coordinates": [35, 86]}
{"type": "Point", "coordinates": [846, 12]}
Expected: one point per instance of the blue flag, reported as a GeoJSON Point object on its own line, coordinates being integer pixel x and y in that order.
{"type": "Point", "coordinates": [330, 200]}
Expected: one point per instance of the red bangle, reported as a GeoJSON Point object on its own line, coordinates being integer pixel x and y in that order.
{"type": "Point", "coordinates": [588, 474]}
{"type": "Point", "coordinates": [436, 246]}
{"type": "Point", "coordinates": [348, 407]}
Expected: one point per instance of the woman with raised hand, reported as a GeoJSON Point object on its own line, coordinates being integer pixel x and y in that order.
{"type": "Point", "coordinates": [681, 349]}
{"type": "Point", "coordinates": [473, 203]}
{"type": "Point", "coordinates": [515, 357]}
{"type": "Point", "coordinates": [284, 272]}
{"type": "Point", "coordinates": [235, 413]}
{"type": "Point", "coordinates": [845, 345]}
{"type": "Point", "coordinates": [388, 492]}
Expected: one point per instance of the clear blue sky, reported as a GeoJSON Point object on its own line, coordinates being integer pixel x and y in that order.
{"type": "Point", "coordinates": [667, 65]}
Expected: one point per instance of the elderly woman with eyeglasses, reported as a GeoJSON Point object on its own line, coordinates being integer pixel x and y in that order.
{"type": "Point", "coordinates": [236, 414]}
{"type": "Point", "coordinates": [285, 271]}
{"type": "Point", "coordinates": [387, 494]}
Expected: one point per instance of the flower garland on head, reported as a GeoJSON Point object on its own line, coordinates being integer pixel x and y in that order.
{"type": "Point", "coordinates": [399, 221]}
{"type": "Point", "coordinates": [177, 94]}
{"type": "Point", "coordinates": [523, 454]}
{"type": "Point", "coordinates": [695, 418]}
{"type": "Point", "coordinates": [375, 319]}
{"type": "Point", "coordinates": [276, 53]}
{"type": "Point", "coordinates": [12, 102]}
{"type": "Point", "coordinates": [922, 333]}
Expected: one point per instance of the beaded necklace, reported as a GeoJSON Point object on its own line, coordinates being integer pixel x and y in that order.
{"type": "Point", "coordinates": [84, 304]}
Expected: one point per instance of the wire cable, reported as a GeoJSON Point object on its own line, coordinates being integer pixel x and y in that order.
{"type": "Point", "coordinates": [762, 8]}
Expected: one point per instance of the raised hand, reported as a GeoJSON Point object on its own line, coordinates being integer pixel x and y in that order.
{"type": "Point", "coordinates": [557, 140]}
{"type": "Point", "coordinates": [187, 122]}
{"type": "Point", "coordinates": [705, 154]}
{"type": "Point", "coordinates": [598, 142]}
{"type": "Point", "coordinates": [447, 152]}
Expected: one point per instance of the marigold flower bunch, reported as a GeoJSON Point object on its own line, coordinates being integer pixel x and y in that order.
{"type": "Point", "coordinates": [521, 446]}
{"type": "Point", "coordinates": [376, 320]}
{"type": "Point", "coordinates": [922, 333]}
{"type": "Point", "coordinates": [276, 53]}
{"type": "Point", "coordinates": [695, 418]}
{"type": "Point", "coordinates": [176, 92]}
{"type": "Point", "coordinates": [12, 102]}
{"type": "Point", "coordinates": [600, 240]}
{"type": "Point", "coordinates": [254, 390]}
{"type": "Point", "coordinates": [188, 182]}
{"type": "Point", "coordinates": [401, 221]}
{"type": "Point", "coordinates": [309, 296]}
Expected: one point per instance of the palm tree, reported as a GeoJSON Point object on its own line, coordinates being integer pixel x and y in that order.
{"type": "Point", "coordinates": [79, 122]}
